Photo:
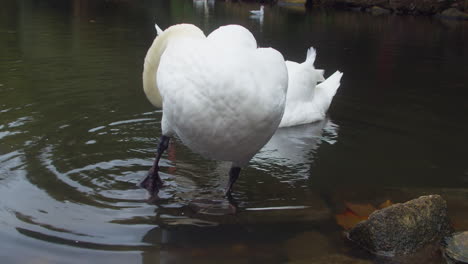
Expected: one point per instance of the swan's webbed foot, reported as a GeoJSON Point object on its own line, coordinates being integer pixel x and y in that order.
{"type": "Point", "coordinates": [152, 182]}
{"type": "Point", "coordinates": [233, 176]}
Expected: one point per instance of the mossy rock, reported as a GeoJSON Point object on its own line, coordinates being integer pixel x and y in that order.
{"type": "Point", "coordinates": [403, 228]}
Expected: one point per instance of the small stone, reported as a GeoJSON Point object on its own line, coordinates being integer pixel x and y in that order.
{"type": "Point", "coordinates": [403, 228]}
{"type": "Point", "coordinates": [377, 11]}
{"type": "Point", "coordinates": [456, 248]}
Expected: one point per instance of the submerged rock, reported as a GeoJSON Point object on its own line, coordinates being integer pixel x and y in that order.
{"type": "Point", "coordinates": [299, 248]}
{"type": "Point", "coordinates": [429, 254]}
{"type": "Point", "coordinates": [403, 228]}
{"type": "Point", "coordinates": [338, 259]}
{"type": "Point", "coordinates": [456, 248]}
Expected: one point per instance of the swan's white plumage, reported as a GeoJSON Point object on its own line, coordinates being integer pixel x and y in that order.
{"type": "Point", "coordinates": [222, 103]}
{"type": "Point", "coordinates": [233, 36]}
{"type": "Point", "coordinates": [307, 101]}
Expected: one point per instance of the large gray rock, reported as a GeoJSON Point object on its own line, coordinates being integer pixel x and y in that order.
{"type": "Point", "coordinates": [403, 228]}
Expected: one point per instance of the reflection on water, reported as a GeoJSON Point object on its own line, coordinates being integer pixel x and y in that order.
{"type": "Point", "coordinates": [259, 19]}
{"type": "Point", "coordinates": [77, 134]}
{"type": "Point", "coordinates": [203, 6]}
{"type": "Point", "coordinates": [290, 152]}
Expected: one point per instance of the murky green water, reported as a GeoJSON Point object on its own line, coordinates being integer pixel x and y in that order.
{"type": "Point", "coordinates": [77, 134]}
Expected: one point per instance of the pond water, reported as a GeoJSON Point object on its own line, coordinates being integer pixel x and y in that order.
{"type": "Point", "coordinates": [77, 134]}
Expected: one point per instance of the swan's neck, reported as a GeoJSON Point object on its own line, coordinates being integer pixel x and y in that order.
{"type": "Point", "coordinates": [153, 56]}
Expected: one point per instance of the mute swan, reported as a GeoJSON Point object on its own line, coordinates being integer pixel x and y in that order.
{"type": "Point", "coordinates": [258, 12]}
{"type": "Point", "coordinates": [307, 101]}
{"type": "Point", "coordinates": [223, 103]}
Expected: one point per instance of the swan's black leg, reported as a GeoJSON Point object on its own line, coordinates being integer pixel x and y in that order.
{"type": "Point", "coordinates": [233, 175]}
{"type": "Point", "coordinates": [152, 181]}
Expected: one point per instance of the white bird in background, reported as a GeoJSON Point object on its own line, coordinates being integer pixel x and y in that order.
{"type": "Point", "coordinates": [306, 100]}
{"type": "Point", "coordinates": [258, 12]}
{"type": "Point", "coordinates": [223, 103]}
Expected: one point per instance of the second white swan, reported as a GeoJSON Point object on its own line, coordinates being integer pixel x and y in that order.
{"type": "Point", "coordinates": [308, 100]}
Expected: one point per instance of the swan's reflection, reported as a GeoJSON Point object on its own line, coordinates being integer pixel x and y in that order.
{"type": "Point", "coordinates": [258, 18]}
{"type": "Point", "coordinates": [203, 6]}
{"type": "Point", "coordinates": [293, 148]}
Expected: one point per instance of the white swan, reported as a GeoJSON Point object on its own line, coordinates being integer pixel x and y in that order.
{"type": "Point", "coordinates": [258, 12]}
{"type": "Point", "coordinates": [308, 101]}
{"type": "Point", "coordinates": [224, 102]}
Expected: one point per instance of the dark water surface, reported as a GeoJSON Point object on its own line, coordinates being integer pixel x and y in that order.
{"type": "Point", "coordinates": [77, 134]}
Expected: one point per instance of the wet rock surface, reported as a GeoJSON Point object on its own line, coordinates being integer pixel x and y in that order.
{"type": "Point", "coordinates": [403, 228]}
{"type": "Point", "coordinates": [455, 248]}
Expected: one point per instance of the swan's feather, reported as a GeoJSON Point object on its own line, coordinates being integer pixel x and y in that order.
{"type": "Point", "coordinates": [311, 54]}
{"type": "Point", "coordinates": [159, 31]}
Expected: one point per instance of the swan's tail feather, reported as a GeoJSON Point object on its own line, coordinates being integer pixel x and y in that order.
{"type": "Point", "coordinates": [309, 62]}
{"type": "Point", "coordinates": [325, 91]}
{"type": "Point", "coordinates": [331, 84]}
{"type": "Point", "coordinates": [158, 29]}
{"type": "Point", "coordinates": [311, 54]}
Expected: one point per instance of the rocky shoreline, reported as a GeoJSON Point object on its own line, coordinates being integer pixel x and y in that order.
{"type": "Point", "coordinates": [452, 9]}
